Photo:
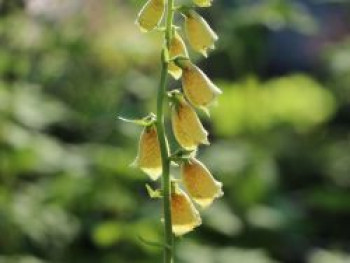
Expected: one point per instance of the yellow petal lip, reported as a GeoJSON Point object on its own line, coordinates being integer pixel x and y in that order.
{"type": "Point", "coordinates": [184, 215]}
{"type": "Point", "coordinates": [150, 15]}
{"type": "Point", "coordinates": [200, 35]}
{"type": "Point", "coordinates": [203, 3]}
{"type": "Point", "coordinates": [198, 88]}
{"type": "Point", "coordinates": [149, 157]}
{"type": "Point", "coordinates": [188, 130]}
{"type": "Point", "coordinates": [200, 183]}
{"type": "Point", "coordinates": [177, 48]}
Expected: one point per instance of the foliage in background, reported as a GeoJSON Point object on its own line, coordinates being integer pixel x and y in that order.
{"type": "Point", "coordinates": [281, 141]}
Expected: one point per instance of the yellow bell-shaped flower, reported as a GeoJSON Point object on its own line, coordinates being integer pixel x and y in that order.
{"type": "Point", "coordinates": [188, 129]}
{"type": "Point", "coordinates": [203, 3]}
{"type": "Point", "coordinates": [198, 88]}
{"type": "Point", "coordinates": [150, 15]}
{"type": "Point", "coordinates": [149, 157]}
{"type": "Point", "coordinates": [184, 215]}
{"type": "Point", "coordinates": [200, 183]}
{"type": "Point", "coordinates": [200, 35]}
{"type": "Point", "coordinates": [177, 48]}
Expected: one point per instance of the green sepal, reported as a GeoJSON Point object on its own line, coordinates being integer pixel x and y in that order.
{"type": "Point", "coordinates": [145, 122]}
{"type": "Point", "coordinates": [175, 97]}
{"type": "Point", "coordinates": [180, 156]}
{"type": "Point", "coordinates": [185, 9]}
{"type": "Point", "coordinates": [181, 61]}
{"type": "Point", "coordinates": [154, 194]}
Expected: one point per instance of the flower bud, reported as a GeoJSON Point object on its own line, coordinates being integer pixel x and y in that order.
{"type": "Point", "coordinates": [149, 157]}
{"type": "Point", "coordinates": [177, 48]}
{"type": "Point", "coordinates": [203, 3]}
{"type": "Point", "coordinates": [184, 215]}
{"type": "Point", "coordinates": [200, 36]}
{"type": "Point", "coordinates": [188, 130]}
{"type": "Point", "coordinates": [150, 15]}
{"type": "Point", "coordinates": [198, 88]}
{"type": "Point", "coordinates": [200, 183]}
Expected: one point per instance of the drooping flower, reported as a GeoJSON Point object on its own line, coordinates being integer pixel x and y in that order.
{"type": "Point", "coordinates": [198, 88]}
{"type": "Point", "coordinates": [188, 129]}
{"type": "Point", "coordinates": [184, 215]}
{"type": "Point", "coordinates": [149, 157]}
{"type": "Point", "coordinates": [200, 183]}
{"type": "Point", "coordinates": [200, 35]}
{"type": "Point", "coordinates": [203, 3]}
{"type": "Point", "coordinates": [177, 48]}
{"type": "Point", "coordinates": [150, 15]}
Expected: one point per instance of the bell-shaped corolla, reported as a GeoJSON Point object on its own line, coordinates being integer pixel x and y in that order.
{"type": "Point", "coordinates": [150, 15]}
{"type": "Point", "coordinates": [198, 88]}
{"type": "Point", "coordinates": [177, 47]}
{"type": "Point", "coordinates": [184, 215]}
{"type": "Point", "coordinates": [199, 34]}
{"type": "Point", "coordinates": [149, 156]}
{"type": "Point", "coordinates": [187, 128]}
{"type": "Point", "coordinates": [200, 183]}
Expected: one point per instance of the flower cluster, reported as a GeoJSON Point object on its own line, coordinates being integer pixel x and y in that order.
{"type": "Point", "coordinates": [198, 92]}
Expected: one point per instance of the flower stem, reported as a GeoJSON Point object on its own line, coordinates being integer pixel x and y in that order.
{"type": "Point", "coordinates": [166, 187]}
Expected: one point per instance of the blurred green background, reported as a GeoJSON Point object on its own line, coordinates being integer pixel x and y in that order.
{"type": "Point", "coordinates": [280, 133]}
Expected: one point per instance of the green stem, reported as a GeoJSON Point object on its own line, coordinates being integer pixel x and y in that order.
{"type": "Point", "coordinates": [166, 187]}
{"type": "Point", "coordinates": [168, 237]}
